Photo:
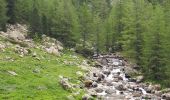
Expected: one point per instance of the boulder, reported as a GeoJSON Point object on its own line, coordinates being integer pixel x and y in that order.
{"type": "Point", "coordinates": [53, 50]}
{"type": "Point", "coordinates": [94, 84]}
{"type": "Point", "coordinates": [16, 35]}
{"type": "Point", "coordinates": [115, 80]}
{"type": "Point", "coordinates": [139, 79]}
{"type": "Point", "coordinates": [99, 90]}
{"type": "Point", "coordinates": [109, 83]}
{"type": "Point", "coordinates": [158, 93]}
{"type": "Point", "coordinates": [127, 76]}
{"type": "Point", "coordinates": [104, 61]}
{"type": "Point", "coordinates": [106, 72]}
{"type": "Point", "coordinates": [110, 91]}
{"type": "Point", "coordinates": [147, 97]}
{"type": "Point", "coordinates": [120, 87]}
{"type": "Point", "coordinates": [101, 76]}
{"type": "Point", "coordinates": [86, 97]}
{"type": "Point", "coordinates": [166, 96]}
{"type": "Point", "coordinates": [88, 83]}
{"type": "Point", "coordinates": [65, 84]}
{"type": "Point", "coordinates": [129, 70]}
{"type": "Point", "coordinates": [92, 92]}
{"type": "Point", "coordinates": [149, 89]}
{"type": "Point", "coordinates": [34, 54]}
{"type": "Point", "coordinates": [157, 87]}
{"type": "Point", "coordinates": [137, 94]}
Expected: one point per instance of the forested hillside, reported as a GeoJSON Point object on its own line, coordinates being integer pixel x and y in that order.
{"type": "Point", "coordinates": [137, 29]}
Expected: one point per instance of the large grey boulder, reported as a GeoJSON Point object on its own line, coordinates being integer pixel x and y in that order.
{"type": "Point", "coordinates": [52, 50]}
{"type": "Point", "coordinates": [16, 35]}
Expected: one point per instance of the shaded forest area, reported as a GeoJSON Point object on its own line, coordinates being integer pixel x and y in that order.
{"type": "Point", "coordinates": [139, 29]}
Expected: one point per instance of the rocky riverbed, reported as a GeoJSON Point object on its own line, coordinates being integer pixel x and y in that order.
{"type": "Point", "coordinates": [109, 80]}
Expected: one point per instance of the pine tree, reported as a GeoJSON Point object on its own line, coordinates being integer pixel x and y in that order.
{"type": "Point", "coordinates": [11, 11]}
{"type": "Point", "coordinates": [3, 17]}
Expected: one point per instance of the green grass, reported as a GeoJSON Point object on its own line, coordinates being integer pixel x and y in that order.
{"type": "Point", "coordinates": [43, 85]}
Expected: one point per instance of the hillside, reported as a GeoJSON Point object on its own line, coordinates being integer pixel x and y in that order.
{"type": "Point", "coordinates": [85, 49]}
{"type": "Point", "coordinates": [33, 73]}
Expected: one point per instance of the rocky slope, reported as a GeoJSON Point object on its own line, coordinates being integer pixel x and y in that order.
{"type": "Point", "coordinates": [37, 70]}
{"type": "Point", "coordinates": [110, 80]}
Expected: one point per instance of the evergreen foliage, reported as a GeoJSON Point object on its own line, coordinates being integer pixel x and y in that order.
{"type": "Point", "coordinates": [139, 29]}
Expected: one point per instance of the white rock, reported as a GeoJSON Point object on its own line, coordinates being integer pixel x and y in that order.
{"type": "Point", "coordinates": [12, 73]}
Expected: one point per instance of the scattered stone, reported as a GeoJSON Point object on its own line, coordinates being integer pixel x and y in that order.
{"type": "Point", "coordinates": [36, 70]}
{"type": "Point", "coordinates": [106, 72]}
{"type": "Point", "coordinates": [94, 84]}
{"type": "Point", "coordinates": [149, 89]}
{"type": "Point", "coordinates": [158, 93]}
{"type": "Point", "coordinates": [157, 87]}
{"type": "Point", "coordinates": [92, 92]}
{"type": "Point", "coordinates": [147, 96]}
{"type": "Point", "coordinates": [12, 73]}
{"type": "Point", "coordinates": [139, 79]}
{"type": "Point", "coordinates": [65, 84]}
{"type": "Point", "coordinates": [99, 90]}
{"type": "Point", "coordinates": [120, 87]}
{"type": "Point", "coordinates": [110, 91]}
{"type": "Point", "coordinates": [88, 83]}
{"type": "Point", "coordinates": [137, 94]}
{"type": "Point", "coordinates": [166, 96]}
{"type": "Point", "coordinates": [53, 50]}
{"type": "Point", "coordinates": [127, 76]}
{"type": "Point", "coordinates": [86, 97]}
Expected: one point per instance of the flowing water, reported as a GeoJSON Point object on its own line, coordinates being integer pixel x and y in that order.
{"type": "Point", "coordinates": [115, 84]}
